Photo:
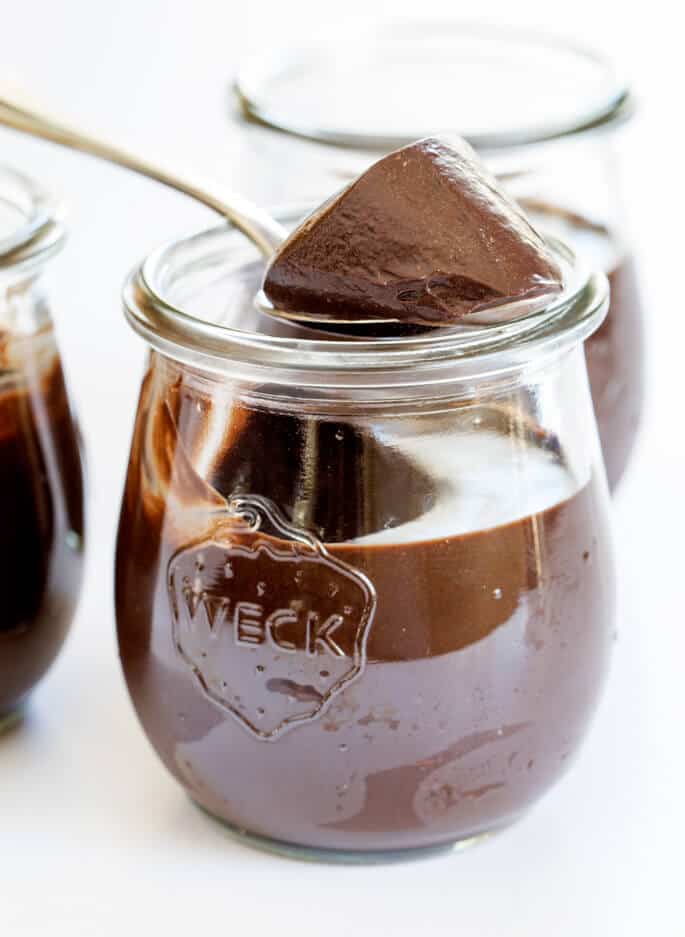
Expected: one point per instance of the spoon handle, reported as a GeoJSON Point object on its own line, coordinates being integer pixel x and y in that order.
{"type": "Point", "coordinates": [256, 224]}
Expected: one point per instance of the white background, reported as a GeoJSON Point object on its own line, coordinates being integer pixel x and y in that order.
{"type": "Point", "coordinates": [95, 839]}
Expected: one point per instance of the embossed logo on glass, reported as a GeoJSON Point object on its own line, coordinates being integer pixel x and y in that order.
{"type": "Point", "coordinates": [270, 623]}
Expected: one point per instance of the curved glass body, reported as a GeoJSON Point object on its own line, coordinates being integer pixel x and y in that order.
{"type": "Point", "coordinates": [41, 482]}
{"type": "Point", "coordinates": [542, 113]}
{"type": "Point", "coordinates": [364, 590]}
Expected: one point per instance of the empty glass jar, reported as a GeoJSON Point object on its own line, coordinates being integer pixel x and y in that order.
{"type": "Point", "coordinates": [41, 484]}
{"type": "Point", "coordinates": [364, 590]}
{"type": "Point", "coordinates": [543, 114]}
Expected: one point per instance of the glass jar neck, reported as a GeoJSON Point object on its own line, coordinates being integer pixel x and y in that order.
{"type": "Point", "coordinates": [280, 389]}
{"type": "Point", "coordinates": [180, 301]}
{"type": "Point", "coordinates": [31, 228]}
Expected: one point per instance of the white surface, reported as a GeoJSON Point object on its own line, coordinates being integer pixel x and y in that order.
{"type": "Point", "coordinates": [95, 839]}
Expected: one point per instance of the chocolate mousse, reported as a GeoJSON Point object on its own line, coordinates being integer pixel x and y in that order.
{"type": "Point", "coordinates": [364, 621]}
{"type": "Point", "coordinates": [347, 685]}
{"type": "Point", "coordinates": [424, 236]}
{"type": "Point", "coordinates": [41, 506]}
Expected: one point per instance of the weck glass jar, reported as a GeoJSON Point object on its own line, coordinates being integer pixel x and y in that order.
{"type": "Point", "coordinates": [41, 483]}
{"type": "Point", "coordinates": [542, 113]}
{"type": "Point", "coordinates": [364, 589]}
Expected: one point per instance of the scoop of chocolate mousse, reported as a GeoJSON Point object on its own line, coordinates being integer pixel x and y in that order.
{"type": "Point", "coordinates": [424, 236]}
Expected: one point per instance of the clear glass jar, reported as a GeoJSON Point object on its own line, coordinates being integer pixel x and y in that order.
{"type": "Point", "coordinates": [541, 112]}
{"type": "Point", "coordinates": [364, 589]}
{"type": "Point", "coordinates": [41, 482]}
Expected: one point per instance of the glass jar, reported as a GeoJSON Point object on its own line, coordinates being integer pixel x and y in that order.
{"type": "Point", "coordinates": [41, 483]}
{"type": "Point", "coordinates": [364, 589]}
{"type": "Point", "coordinates": [542, 113]}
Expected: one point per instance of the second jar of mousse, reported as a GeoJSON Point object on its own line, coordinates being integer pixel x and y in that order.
{"type": "Point", "coordinates": [542, 113]}
{"type": "Point", "coordinates": [41, 478]}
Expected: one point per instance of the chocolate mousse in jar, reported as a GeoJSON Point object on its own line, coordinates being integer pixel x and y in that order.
{"type": "Point", "coordinates": [41, 483]}
{"type": "Point", "coordinates": [543, 113]}
{"type": "Point", "coordinates": [364, 588]}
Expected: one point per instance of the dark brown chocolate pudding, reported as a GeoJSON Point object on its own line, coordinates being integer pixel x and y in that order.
{"type": "Point", "coordinates": [409, 679]}
{"type": "Point", "coordinates": [615, 352]}
{"type": "Point", "coordinates": [41, 505]}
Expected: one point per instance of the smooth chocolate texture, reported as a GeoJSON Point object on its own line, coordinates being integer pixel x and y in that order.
{"type": "Point", "coordinates": [41, 506]}
{"type": "Point", "coordinates": [484, 659]}
{"type": "Point", "coordinates": [423, 237]}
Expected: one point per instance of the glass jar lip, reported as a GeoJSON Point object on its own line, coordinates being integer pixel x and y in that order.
{"type": "Point", "coordinates": [31, 223]}
{"type": "Point", "coordinates": [408, 360]}
{"type": "Point", "coordinates": [293, 89]}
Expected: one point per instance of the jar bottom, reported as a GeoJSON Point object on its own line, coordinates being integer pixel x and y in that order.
{"type": "Point", "coordinates": [345, 856]}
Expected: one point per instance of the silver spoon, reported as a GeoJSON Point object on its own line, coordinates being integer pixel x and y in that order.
{"type": "Point", "coordinates": [263, 230]}
{"type": "Point", "coordinates": [18, 113]}
{"type": "Point", "coordinates": [256, 224]}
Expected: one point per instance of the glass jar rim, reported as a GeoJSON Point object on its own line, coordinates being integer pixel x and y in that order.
{"type": "Point", "coordinates": [440, 355]}
{"type": "Point", "coordinates": [31, 223]}
{"type": "Point", "coordinates": [293, 89]}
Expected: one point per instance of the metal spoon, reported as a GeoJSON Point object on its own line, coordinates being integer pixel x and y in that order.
{"type": "Point", "coordinates": [263, 230]}
{"type": "Point", "coordinates": [18, 113]}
